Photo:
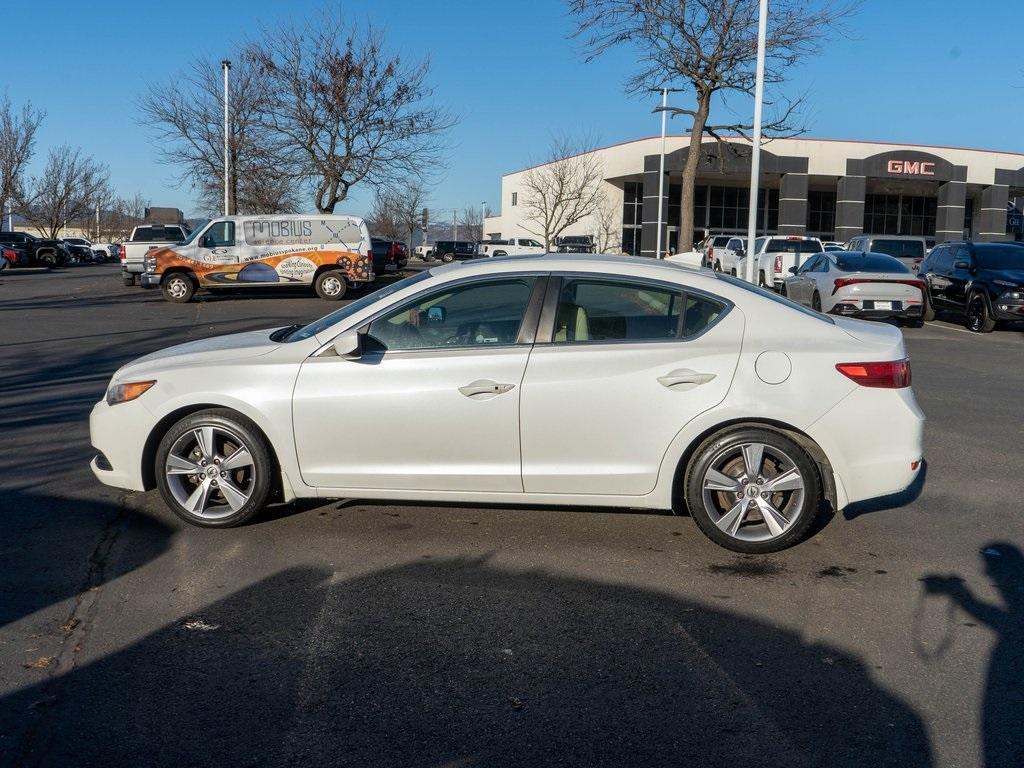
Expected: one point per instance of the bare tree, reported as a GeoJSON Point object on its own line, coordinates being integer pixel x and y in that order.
{"type": "Point", "coordinates": [120, 216]}
{"type": "Point", "coordinates": [17, 145]}
{"type": "Point", "coordinates": [346, 110]}
{"type": "Point", "coordinates": [709, 48]}
{"type": "Point", "coordinates": [471, 223]}
{"type": "Point", "coordinates": [66, 191]}
{"type": "Point", "coordinates": [562, 191]}
{"type": "Point", "coordinates": [186, 116]}
{"type": "Point", "coordinates": [409, 202]}
{"type": "Point", "coordinates": [606, 228]}
{"type": "Point", "coordinates": [385, 219]}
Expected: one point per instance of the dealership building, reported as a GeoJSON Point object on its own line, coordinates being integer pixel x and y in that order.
{"type": "Point", "coordinates": [831, 189]}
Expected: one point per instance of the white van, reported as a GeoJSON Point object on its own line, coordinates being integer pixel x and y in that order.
{"type": "Point", "coordinates": [330, 253]}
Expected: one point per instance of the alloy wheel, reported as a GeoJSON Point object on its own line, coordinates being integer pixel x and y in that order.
{"type": "Point", "coordinates": [753, 492]}
{"type": "Point", "coordinates": [210, 472]}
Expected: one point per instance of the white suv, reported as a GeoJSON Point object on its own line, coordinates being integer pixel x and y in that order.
{"type": "Point", "coordinates": [514, 246]}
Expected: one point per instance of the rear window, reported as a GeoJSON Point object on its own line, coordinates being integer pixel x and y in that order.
{"type": "Point", "coordinates": [1000, 256]}
{"type": "Point", "coordinates": [721, 242]}
{"type": "Point", "coordinates": [901, 249]}
{"type": "Point", "coordinates": [869, 262]}
{"type": "Point", "coordinates": [158, 234]}
{"type": "Point", "coordinates": [794, 246]}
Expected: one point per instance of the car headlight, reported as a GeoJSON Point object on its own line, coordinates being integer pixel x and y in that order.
{"type": "Point", "coordinates": [1017, 295]}
{"type": "Point", "coordinates": [127, 391]}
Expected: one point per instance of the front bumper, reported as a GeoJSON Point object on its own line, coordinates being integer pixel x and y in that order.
{"type": "Point", "coordinates": [149, 280]}
{"type": "Point", "coordinates": [118, 433]}
{"type": "Point", "coordinates": [1009, 306]}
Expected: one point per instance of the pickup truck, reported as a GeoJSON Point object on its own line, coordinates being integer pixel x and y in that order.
{"type": "Point", "coordinates": [721, 251]}
{"type": "Point", "coordinates": [514, 246]}
{"type": "Point", "coordinates": [775, 255]}
{"type": "Point", "coordinates": [145, 238]}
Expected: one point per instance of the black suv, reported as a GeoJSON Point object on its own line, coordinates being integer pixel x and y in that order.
{"type": "Point", "coordinates": [44, 253]}
{"type": "Point", "coordinates": [449, 250]}
{"type": "Point", "coordinates": [985, 281]}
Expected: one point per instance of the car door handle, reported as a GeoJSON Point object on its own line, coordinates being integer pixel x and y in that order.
{"type": "Point", "coordinates": [684, 379]}
{"type": "Point", "coordinates": [485, 389]}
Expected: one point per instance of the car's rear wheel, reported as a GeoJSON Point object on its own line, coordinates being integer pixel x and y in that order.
{"type": "Point", "coordinates": [49, 260]}
{"type": "Point", "coordinates": [178, 287]}
{"type": "Point", "coordinates": [979, 317]}
{"type": "Point", "coordinates": [761, 281]}
{"type": "Point", "coordinates": [816, 302]}
{"type": "Point", "coordinates": [752, 490]}
{"type": "Point", "coordinates": [330, 285]}
{"type": "Point", "coordinates": [718, 266]}
{"type": "Point", "coordinates": [213, 469]}
{"type": "Point", "coordinates": [927, 308]}
{"type": "Point", "coordinates": [447, 258]}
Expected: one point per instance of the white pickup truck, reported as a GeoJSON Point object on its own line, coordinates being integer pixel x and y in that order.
{"type": "Point", "coordinates": [514, 246]}
{"type": "Point", "coordinates": [775, 255]}
{"type": "Point", "coordinates": [145, 238]}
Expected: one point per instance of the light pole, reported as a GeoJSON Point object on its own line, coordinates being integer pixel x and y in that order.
{"type": "Point", "coordinates": [664, 109]}
{"type": "Point", "coordinates": [483, 215]}
{"type": "Point", "coordinates": [455, 224]}
{"type": "Point", "coordinates": [226, 66]}
{"type": "Point", "coordinates": [755, 157]}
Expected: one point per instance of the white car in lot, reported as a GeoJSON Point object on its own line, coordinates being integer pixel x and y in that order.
{"type": "Point", "coordinates": [558, 380]}
{"type": "Point", "coordinates": [868, 285]}
{"type": "Point", "coordinates": [774, 256]}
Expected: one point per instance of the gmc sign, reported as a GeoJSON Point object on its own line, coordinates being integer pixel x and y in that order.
{"type": "Point", "coordinates": [910, 168]}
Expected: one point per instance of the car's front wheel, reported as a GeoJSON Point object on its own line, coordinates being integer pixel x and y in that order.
{"type": "Point", "coordinates": [213, 469]}
{"type": "Point", "coordinates": [979, 317]}
{"type": "Point", "coordinates": [752, 490]}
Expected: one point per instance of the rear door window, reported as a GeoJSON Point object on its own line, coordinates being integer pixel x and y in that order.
{"type": "Point", "coordinates": [900, 249]}
{"type": "Point", "coordinates": [778, 245]}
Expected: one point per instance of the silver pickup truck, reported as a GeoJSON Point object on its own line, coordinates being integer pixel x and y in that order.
{"type": "Point", "coordinates": [145, 238]}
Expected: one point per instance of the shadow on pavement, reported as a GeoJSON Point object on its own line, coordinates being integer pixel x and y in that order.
{"type": "Point", "coordinates": [1002, 734]}
{"type": "Point", "coordinates": [462, 663]}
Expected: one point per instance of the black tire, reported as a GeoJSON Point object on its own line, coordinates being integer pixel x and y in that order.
{"type": "Point", "coordinates": [447, 258]}
{"type": "Point", "coordinates": [761, 281]}
{"type": "Point", "coordinates": [752, 536]}
{"type": "Point", "coordinates": [927, 309]}
{"type": "Point", "coordinates": [128, 281]}
{"type": "Point", "coordinates": [783, 291]}
{"type": "Point", "coordinates": [232, 429]}
{"type": "Point", "coordinates": [178, 287]}
{"type": "Point", "coordinates": [816, 302]}
{"type": "Point", "coordinates": [49, 260]}
{"type": "Point", "coordinates": [979, 316]}
{"type": "Point", "coordinates": [330, 285]}
{"type": "Point", "coordinates": [718, 266]}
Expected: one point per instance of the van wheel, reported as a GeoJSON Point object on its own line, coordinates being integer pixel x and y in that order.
{"type": "Point", "coordinates": [330, 285]}
{"type": "Point", "coordinates": [178, 288]}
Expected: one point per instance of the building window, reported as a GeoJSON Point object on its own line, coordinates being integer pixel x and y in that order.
{"type": "Point", "coordinates": [900, 215]}
{"type": "Point", "coordinates": [515, 199]}
{"type": "Point", "coordinates": [969, 218]}
{"type": "Point", "coordinates": [728, 209]}
{"type": "Point", "coordinates": [821, 213]}
{"type": "Point", "coordinates": [917, 216]}
{"type": "Point", "coordinates": [632, 216]}
{"type": "Point", "coordinates": [881, 214]}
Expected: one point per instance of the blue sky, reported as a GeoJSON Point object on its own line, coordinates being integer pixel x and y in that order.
{"type": "Point", "coordinates": [920, 71]}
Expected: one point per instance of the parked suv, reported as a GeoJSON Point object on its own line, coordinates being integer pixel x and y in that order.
{"type": "Point", "coordinates": [449, 250]}
{"type": "Point", "coordinates": [985, 281]}
{"type": "Point", "coordinates": [908, 249]}
{"type": "Point", "coordinates": [388, 255]}
{"type": "Point", "coordinates": [46, 253]}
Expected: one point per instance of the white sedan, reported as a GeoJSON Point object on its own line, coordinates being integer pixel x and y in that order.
{"type": "Point", "coordinates": [857, 284]}
{"type": "Point", "coordinates": [555, 380]}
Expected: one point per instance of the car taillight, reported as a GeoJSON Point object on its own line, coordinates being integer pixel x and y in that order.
{"type": "Point", "coordinates": [894, 374]}
{"type": "Point", "coordinates": [122, 253]}
{"type": "Point", "coordinates": [778, 264]}
{"type": "Point", "coordinates": [842, 282]}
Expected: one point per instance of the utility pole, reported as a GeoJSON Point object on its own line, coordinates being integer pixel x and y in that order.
{"type": "Point", "coordinates": [97, 219]}
{"type": "Point", "coordinates": [483, 215]}
{"type": "Point", "coordinates": [661, 170]}
{"type": "Point", "coordinates": [226, 65]}
{"type": "Point", "coordinates": [455, 223]}
{"type": "Point", "coordinates": [755, 157]}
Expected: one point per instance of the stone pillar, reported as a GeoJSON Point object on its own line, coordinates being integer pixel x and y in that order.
{"type": "Point", "coordinates": [949, 222]}
{"type": "Point", "coordinates": [850, 207]}
{"type": "Point", "coordinates": [793, 204]}
{"type": "Point", "coordinates": [649, 225]}
{"type": "Point", "coordinates": [990, 215]}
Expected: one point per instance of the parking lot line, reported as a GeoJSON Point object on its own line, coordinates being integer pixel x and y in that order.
{"type": "Point", "coordinates": [950, 328]}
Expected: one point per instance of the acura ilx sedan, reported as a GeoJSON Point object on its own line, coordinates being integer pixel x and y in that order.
{"type": "Point", "coordinates": [545, 380]}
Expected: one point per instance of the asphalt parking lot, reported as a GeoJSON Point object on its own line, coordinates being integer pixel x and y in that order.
{"type": "Point", "coordinates": [364, 634]}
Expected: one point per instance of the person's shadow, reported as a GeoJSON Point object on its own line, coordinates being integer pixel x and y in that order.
{"type": "Point", "coordinates": [1002, 730]}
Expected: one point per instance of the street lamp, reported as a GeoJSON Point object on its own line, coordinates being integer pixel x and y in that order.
{"type": "Point", "coordinates": [664, 109]}
{"type": "Point", "coordinates": [755, 156]}
{"type": "Point", "coordinates": [483, 215]}
{"type": "Point", "coordinates": [226, 66]}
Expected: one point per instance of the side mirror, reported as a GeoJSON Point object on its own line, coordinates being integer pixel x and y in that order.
{"type": "Point", "coordinates": [348, 345]}
{"type": "Point", "coordinates": [793, 270]}
{"type": "Point", "coordinates": [740, 253]}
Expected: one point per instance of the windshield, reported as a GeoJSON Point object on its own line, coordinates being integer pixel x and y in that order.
{"type": "Point", "coordinates": [906, 249]}
{"type": "Point", "coordinates": [869, 262]}
{"type": "Point", "coordinates": [1008, 257]}
{"type": "Point", "coordinates": [794, 246]}
{"type": "Point", "coordinates": [318, 326]}
{"type": "Point", "coordinates": [195, 233]}
{"type": "Point", "coordinates": [771, 295]}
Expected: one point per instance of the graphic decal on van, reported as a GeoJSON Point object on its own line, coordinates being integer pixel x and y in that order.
{"type": "Point", "coordinates": [290, 265]}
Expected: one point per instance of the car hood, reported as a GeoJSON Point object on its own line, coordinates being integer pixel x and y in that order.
{"type": "Point", "coordinates": [1008, 275]}
{"type": "Point", "coordinates": [218, 349]}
